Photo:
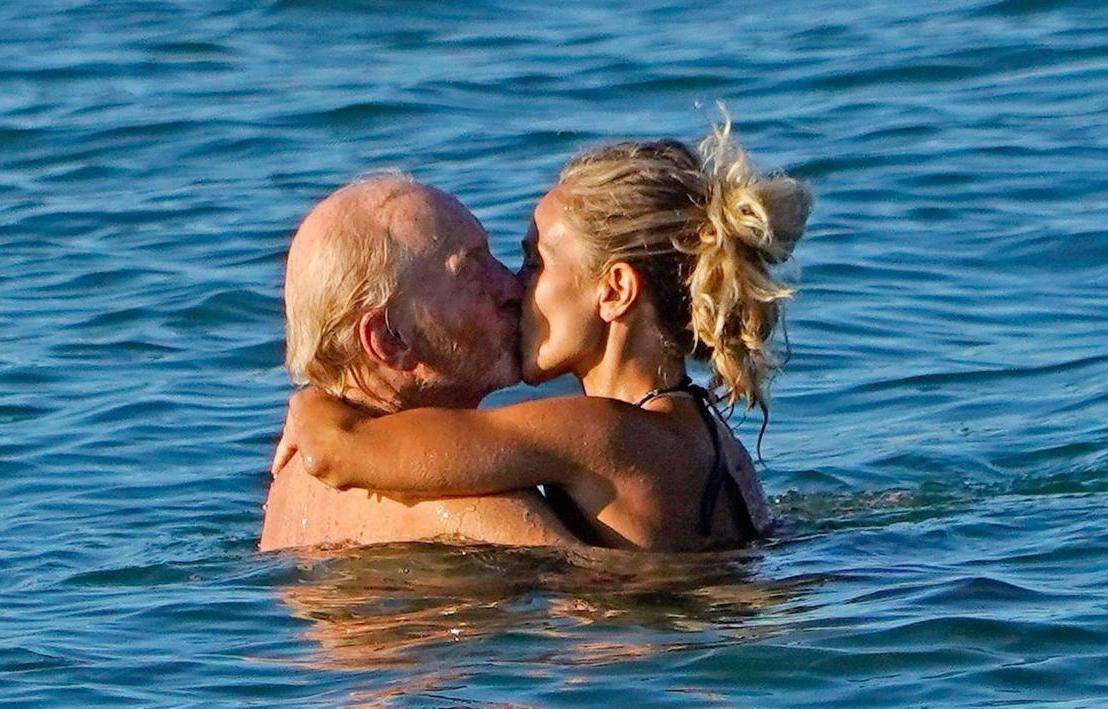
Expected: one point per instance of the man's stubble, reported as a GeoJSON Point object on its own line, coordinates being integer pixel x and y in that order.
{"type": "Point", "coordinates": [469, 362]}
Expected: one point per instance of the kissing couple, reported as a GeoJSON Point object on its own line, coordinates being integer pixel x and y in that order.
{"type": "Point", "coordinates": [400, 321]}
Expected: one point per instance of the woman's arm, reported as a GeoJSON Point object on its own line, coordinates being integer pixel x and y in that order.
{"type": "Point", "coordinates": [441, 452]}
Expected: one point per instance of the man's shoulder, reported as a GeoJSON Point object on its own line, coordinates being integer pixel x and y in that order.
{"type": "Point", "coordinates": [295, 508]}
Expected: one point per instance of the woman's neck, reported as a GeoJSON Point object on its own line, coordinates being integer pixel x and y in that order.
{"type": "Point", "coordinates": [630, 366]}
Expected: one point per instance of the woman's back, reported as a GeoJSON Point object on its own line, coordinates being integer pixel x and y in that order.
{"type": "Point", "coordinates": [688, 485]}
{"type": "Point", "coordinates": [708, 495]}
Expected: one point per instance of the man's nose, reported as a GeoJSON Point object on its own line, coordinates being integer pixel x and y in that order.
{"type": "Point", "coordinates": [508, 289]}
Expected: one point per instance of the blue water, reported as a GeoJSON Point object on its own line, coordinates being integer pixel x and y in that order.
{"type": "Point", "coordinates": [939, 438]}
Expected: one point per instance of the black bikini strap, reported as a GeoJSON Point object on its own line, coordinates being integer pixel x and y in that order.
{"type": "Point", "coordinates": [740, 512]}
{"type": "Point", "coordinates": [715, 478]}
{"type": "Point", "coordinates": [684, 385]}
{"type": "Point", "coordinates": [720, 476]}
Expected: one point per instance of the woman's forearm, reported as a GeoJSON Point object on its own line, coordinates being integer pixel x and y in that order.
{"type": "Point", "coordinates": [423, 453]}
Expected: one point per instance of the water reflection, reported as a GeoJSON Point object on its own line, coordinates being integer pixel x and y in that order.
{"type": "Point", "coordinates": [409, 606]}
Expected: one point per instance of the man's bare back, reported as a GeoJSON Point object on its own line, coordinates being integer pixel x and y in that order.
{"type": "Point", "coordinates": [303, 512]}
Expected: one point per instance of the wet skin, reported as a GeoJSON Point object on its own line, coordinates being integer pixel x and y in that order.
{"type": "Point", "coordinates": [633, 474]}
{"type": "Point", "coordinates": [303, 512]}
{"type": "Point", "coordinates": [457, 310]}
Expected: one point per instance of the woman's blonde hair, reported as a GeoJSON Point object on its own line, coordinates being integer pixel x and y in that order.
{"type": "Point", "coordinates": [703, 231]}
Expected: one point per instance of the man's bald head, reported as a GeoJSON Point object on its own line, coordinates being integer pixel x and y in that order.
{"type": "Point", "coordinates": [342, 260]}
{"type": "Point", "coordinates": [366, 215]}
{"type": "Point", "coordinates": [349, 256]}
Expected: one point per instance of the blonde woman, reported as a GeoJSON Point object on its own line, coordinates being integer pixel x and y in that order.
{"type": "Point", "coordinates": [643, 254]}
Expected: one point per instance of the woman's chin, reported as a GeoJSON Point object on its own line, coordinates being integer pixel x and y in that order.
{"type": "Point", "coordinates": [533, 378]}
{"type": "Point", "coordinates": [533, 375]}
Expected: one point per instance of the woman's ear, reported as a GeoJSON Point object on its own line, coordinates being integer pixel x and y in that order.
{"type": "Point", "coordinates": [383, 344]}
{"type": "Point", "coordinates": [618, 291]}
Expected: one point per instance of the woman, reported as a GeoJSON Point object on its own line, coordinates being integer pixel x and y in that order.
{"type": "Point", "coordinates": [642, 254]}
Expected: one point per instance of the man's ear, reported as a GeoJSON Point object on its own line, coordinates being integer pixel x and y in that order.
{"type": "Point", "coordinates": [618, 290]}
{"type": "Point", "coordinates": [383, 344]}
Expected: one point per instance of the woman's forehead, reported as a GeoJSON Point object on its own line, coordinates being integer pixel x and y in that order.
{"type": "Point", "coordinates": [550, 216]}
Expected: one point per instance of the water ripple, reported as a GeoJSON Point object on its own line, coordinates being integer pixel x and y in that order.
{"type": "Point", "coordinates": [937, 445]}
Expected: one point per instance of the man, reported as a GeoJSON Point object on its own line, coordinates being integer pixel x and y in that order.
{"type": "Point", "coordinates": [394, 301]}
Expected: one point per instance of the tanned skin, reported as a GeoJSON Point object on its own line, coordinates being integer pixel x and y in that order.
{"type": "Point", "coordinates": [428, 351]}
{"type": "Point", "coordinates": [633, 475]}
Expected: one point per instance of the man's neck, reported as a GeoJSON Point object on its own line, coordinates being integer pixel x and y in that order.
{"type": "Point", "coordinates": [373, 392]}
{"type": "Point", "coordinates": [371, 404]}
{"type": "Point", "coordinates": [379, 397]}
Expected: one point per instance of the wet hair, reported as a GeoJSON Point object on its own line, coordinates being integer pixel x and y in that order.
{"type": "Point", "coordinates": [703, 230]}
{"type": "Point", "coordinates": [351, 269]}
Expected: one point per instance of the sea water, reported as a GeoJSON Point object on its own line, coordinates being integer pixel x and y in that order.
{"type": "Point", "coordinates": [939, 438]}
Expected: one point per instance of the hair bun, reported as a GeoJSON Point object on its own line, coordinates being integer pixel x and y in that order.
{"type": "Point", "coordinates": [724, 221]}
{"type": "Point", "coordinates": [787, 203]}
{"type": "Point", "coordinates": [751, 221]}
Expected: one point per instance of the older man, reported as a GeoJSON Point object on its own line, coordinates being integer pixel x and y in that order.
{"type": "Point", "coordinates": [394, 301]}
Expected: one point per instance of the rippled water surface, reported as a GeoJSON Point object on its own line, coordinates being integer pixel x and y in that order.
{"type": "Point", "coordinates": [940, 437]}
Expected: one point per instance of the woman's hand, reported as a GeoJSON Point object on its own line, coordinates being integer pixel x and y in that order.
{"type": "Point", "coordinates": [314, 421]}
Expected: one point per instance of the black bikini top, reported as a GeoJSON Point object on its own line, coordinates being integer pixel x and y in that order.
{"type": "Point", "coordinates": [720, 476]}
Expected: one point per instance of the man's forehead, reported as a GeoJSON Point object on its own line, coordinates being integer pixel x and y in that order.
{"type": "Point", "coordinates": [428, 220]}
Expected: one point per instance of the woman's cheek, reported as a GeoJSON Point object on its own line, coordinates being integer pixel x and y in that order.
{"type": "Point", "coordinates": [564, 317]}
